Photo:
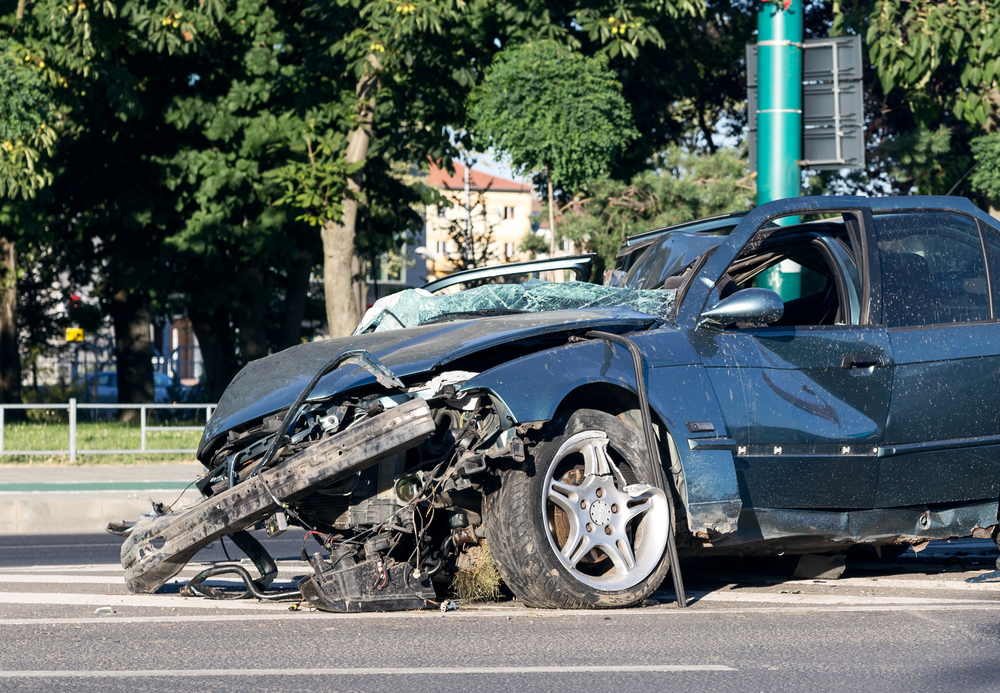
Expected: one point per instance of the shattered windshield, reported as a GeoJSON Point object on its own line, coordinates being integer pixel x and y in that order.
{"type": "Point", "coordinates": [417, 307]}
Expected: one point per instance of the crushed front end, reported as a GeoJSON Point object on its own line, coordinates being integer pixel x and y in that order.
{"type": "Point", "coordinates": [387, 480]}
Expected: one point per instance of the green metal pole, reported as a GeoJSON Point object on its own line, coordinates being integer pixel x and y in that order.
{"type": "Point", "coordinates": [779, 118]}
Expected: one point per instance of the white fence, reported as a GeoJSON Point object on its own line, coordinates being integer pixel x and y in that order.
{"type": "Point", "coordinates": [75, 407]}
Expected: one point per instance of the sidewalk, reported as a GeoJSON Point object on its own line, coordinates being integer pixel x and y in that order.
{"type": "Point", "coordinates": [82, 500]}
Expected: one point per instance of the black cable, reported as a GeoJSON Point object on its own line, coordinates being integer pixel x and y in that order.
{"type": "Point", "coordinates": [441, 557]}
{"type": "Point", "coordinates": [222, 541]}
{"type": "Point", "coordinates": [652, 447]}
{"type": "Point", "coordinates": [252, 588]}
{"type": "Point", "coordinates": [170, 507]}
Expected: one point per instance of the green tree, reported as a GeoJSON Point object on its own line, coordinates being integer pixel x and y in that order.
{"type": "Point", "coordinates": [548, 108]}
{"type": "Point", "coordinates": [183, 174]}
{"type": "Point", "coordinates": [26, 121]}
{"type": "Point", "coordinates": [686, 186]}
{"type": "Point", "coordinates": [944, 60]}
{"type": "Point", "coordinates": [26, 134]}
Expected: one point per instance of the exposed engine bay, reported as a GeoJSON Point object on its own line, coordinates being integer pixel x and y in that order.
{"type": "Point", "coordinates": [388, 482]}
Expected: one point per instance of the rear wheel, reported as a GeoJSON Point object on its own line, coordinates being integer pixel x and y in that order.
{"type": "Point", "coordinates": [584, 523]}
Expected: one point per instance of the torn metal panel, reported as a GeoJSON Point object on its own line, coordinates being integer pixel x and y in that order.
{"type": "Point", "coordinates": [909, 525]}
{"type": "Point", "coordinates": [160, 546]}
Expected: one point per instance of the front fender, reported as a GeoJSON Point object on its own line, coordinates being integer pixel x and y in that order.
{"type": "Point", "coordinates": [532, 388]}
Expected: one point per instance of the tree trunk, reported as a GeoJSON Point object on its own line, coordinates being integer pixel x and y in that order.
{"type": "Point", "coordinates": [211, 327]}
{"type": "Point", "coordinates": [134, 351]}
{"type": "Point", "coordinates": [295, 300]}
{"type": "Point", "coordinates": [251, 318]}
{"type": "Point", "coordinates": [10, 359]}
{"type": "Point", "coordinates": [341, 266]}
{"type": "Point", "coordinates": [552, 213]}
{"type": "Point", "coordinates": [338, 279]}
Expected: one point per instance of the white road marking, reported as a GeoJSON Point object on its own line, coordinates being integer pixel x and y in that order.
{"type": "Point", "coordinates": [28, 578]}
{"type": "Point", "coordinates": [794, 601]}
{"type": "Point", "coordinates": [89, 568]}
{"type": "Point", "coordinates": [819, 599]}
{"type": "Point", "coordinates": [34, 547]}
{"type": "Point", "coordinates": [884, 583]}
{"type": "Point", "coordinates": [291, 567]}
{"type": "Point", "coordinates": [62, 579]}
{"type": "Point", "coordinates": [894, 583]}
{"type": "Point", "coordinates": [161, 600]}
{"type": "Point", "coordinates": [357, 671]}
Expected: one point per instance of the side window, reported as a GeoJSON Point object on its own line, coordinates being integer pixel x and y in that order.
{"type": "Point", "coordinates": [810, 267]}
{"type": "Point", "coordinates": [933, 270]}
{"type": "Point", "coordinates": [992, 238]}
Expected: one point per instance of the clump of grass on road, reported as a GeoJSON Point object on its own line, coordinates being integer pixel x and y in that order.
{"type": "Point", "coordinates": [97, 435]}
{"type": "Point", "coordinates": [480, 581]}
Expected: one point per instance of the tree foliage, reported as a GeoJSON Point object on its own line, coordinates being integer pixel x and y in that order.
{"type": "Point", "coordinates": [191, 144]}
{"type": "Point", "coordinates": [936, 64]}
{"type": "Point", "coordinates": [943, 54]}
{"type": "Point", "coordinates": [549, 108]}
{"type": "Point", "coordinates": [26, 121]}
{"type": "Point", "coordinates": [687, 186]}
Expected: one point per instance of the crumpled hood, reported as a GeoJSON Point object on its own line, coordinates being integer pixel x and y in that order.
{"type": "Point", "coordinates": [272, 383]}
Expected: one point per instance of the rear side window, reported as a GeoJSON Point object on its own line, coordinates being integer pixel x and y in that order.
{"type": "Point", "coordinates": [992, 238]}
{"type": "Point", "coordinates": [933, 269]}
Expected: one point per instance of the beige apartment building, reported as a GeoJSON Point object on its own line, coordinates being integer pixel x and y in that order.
{"type": "Point", "coordinates": [500, 205]}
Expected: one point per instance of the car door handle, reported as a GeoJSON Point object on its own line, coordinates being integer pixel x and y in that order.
{"type": "Point", "coordinates": [861, 361]}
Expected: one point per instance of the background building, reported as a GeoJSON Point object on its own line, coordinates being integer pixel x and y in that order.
{"type": "Point", "coordinates": [500, 210]}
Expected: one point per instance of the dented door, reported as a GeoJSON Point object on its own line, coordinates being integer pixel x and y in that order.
{"type": "Point", "coordinates": [807, 407]}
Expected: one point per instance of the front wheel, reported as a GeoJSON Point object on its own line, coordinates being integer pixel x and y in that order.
{"type": "Point", "coordinates": [584, 523]}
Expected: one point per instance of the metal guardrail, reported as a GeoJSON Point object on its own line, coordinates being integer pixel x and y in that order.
{"type": "Point", "coordinates": [75, 407]}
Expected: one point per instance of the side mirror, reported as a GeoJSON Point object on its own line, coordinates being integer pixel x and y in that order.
{"type": "Point", "coordinates": [754, 307]}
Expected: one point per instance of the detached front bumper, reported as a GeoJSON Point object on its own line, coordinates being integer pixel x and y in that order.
{"type": "Point", "coordinates": [159, 546]}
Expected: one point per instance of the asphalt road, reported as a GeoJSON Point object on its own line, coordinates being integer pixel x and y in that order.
{"type": "Point", "coordinates": [906, 625]}
{"type": "Point", "coordinates": [61, 549]}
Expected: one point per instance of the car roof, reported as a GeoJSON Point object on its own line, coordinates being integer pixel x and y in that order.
{"type": "Point", "coordinates": [703, 225]}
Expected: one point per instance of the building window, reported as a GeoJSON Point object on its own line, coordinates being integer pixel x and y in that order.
{"type": "Point", "coordinates": [442, 211]}
{"type": "Point", "coordinates": [442, 247]}
{"type": "Point", "coordinates": [390, 267]}
{"type": "Point", "coordinates": [508, 212]}
{"type": "Point", "coordinates": [508, 250]}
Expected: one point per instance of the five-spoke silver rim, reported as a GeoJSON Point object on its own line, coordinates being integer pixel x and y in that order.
{"type": "Point", "coordinates": [610, 534]}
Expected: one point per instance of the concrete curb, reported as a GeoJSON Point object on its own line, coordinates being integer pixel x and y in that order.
{"type": "Point", "coordinates": [83, 500]}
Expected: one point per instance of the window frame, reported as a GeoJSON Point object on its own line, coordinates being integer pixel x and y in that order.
{"type": "Point", "coordinates": [876, 267]}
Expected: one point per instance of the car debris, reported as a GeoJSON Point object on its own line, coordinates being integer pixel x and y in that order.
{"type": "Point", "coordinates": [592, 436]}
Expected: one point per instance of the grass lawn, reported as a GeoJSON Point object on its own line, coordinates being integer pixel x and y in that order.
{"type": "Point", "coordinates": [100, 435]}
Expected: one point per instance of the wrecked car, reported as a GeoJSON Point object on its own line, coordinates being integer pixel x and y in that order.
{"type": "Point", "coordinates": [591, 434]}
